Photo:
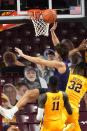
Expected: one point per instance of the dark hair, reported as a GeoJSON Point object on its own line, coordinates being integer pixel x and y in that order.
{"type": "Point", "coordinates": [53, 82]}
{"type": "Point", "coordinates": [80, 69]}
{"type": "Point", "coordinates": [76, 58]}
{"type": "Point", "coordinates": [9, 58]}
{"type": "Point", "coordinates": [19, 84]}
{"type": "Point", "coordinates": [62, 50]}
{"type": "Point", "coordinates": [68, 43]}
{"type": "Point", "coordinates": [49, 53]}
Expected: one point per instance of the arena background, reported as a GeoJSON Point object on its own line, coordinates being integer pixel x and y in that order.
{"type": "Point", "coordinates": [23, 37]}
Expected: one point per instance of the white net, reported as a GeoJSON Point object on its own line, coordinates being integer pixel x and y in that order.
{"type": "Point", "coordinates": [41, 27]}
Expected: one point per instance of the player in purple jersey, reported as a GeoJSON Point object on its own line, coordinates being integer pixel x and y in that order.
{"type": "Point", "coordinates": [32, 95]}
{"type": "Point", "coordinates": [63, 77]}
{"type": "Point", "coordinates": [62, 54]}
{"type": "Point", "coordinates": [60, 64]}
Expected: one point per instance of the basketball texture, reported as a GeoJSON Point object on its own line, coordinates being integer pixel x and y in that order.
{"type": "Point", "coordinates": [49, 16]}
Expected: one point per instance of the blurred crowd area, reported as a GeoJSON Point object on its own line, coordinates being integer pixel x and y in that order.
{"type": "Point", "coordinates": [18, 75]}
{"type": "Point", "coordinates": [17, 78]}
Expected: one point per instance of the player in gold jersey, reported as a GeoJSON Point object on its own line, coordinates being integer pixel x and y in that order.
{"type": "Point", "coordinates": [76, 88]}
{"type": "Point", "coordinates": [51, 104]}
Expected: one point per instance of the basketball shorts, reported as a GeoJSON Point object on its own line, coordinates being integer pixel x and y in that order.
{"type": "Point", "coordinates": [67, 119]}
{"type": "Point", "coordinates": [52, 126]}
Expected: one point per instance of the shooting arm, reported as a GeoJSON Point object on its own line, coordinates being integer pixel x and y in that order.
{"type": "Point", "coordinates": [48, 63]}
{"type": "Point", "coordinates": [55, 39]}
{"type": "Point", "coordinates": [53, 35]}
{"type": "Point", "coordinates": [81, 47]}
{"type": "Point", "coordinates": [72, 52]}
{"type": "Point", "coordinates": [53, 63]}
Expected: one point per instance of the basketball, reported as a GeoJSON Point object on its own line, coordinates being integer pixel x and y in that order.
{"type": "Point", "coordinates": [49, 16]}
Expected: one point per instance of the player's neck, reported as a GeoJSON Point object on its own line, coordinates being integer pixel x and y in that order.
{"type": "Point", "coordinates": [53, 91]}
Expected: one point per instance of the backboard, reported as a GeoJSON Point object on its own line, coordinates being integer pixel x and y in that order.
{"type": "Point", "coordinates": [65, 9]}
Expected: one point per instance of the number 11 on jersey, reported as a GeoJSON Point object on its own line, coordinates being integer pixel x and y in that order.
{"type": "Point", "coordinates": [55, 106]}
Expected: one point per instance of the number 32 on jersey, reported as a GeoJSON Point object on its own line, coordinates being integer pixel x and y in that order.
{"type": "Point", "coordinates": [75, 86]}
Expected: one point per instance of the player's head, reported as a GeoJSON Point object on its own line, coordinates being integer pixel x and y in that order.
{"type": "Point", "coordinates": [61, 52]}
{"type": "Point", "coordinates": [53, 83]}
{"type": "Point", "coordinates": [76, 58]}
{"type": "Point", "coordinates": [80, 69]}
{"type": "Point", "coordinates": [68, 43]}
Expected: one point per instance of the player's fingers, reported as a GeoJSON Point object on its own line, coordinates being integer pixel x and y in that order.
{"type": "Point", "coordinates": [83, 42]}
{"type": "Point", "coordinates": [55, 24]}
{"type": "Point", "coordinates": [16, 49]}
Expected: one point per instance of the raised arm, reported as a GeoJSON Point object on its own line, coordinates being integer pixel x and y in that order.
{"type": "Point", "coordinates": [81, 47]}
{"type": "Point", "coordinates": [66, 103]}
{"type": "Point", "coordinates": [56, 41]}
{"type": "Point", "coordinates": [53, 63]}
{"type": "Point", "coordinates": [53, 35]}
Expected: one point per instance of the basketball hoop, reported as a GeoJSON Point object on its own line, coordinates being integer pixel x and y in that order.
{"type": "Point", "coordinates": [40, 26]}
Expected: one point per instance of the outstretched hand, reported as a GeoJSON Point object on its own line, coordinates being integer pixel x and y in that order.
{"type": "Point", "coordinates": [54, 26]}
{"type": "Point", "coordinates": [19, 51]}
{"type": "Point", "coordinates": [83, 45]}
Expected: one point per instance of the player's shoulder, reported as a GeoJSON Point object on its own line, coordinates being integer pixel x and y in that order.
{"type": "Point", "coordinates": [42, 100]}
{"type": "Point", "coordinates": [42, 97]}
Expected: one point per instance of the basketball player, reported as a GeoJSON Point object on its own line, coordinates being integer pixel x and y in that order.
{"type": "Point", "coordinates": [61, 67]}
{"type": "Point", "coordinates": [51, 105]}
{"type": "Point", "coordinates": [32, 95]}
{"type": "Point", "coordinates": [82, 46]}
{"type": "Point", "coordinates": [76, 88]}
{"type": "Point", "coordinates": [72, 50]}
{"type": "Point", "coordinates": [60, 64]}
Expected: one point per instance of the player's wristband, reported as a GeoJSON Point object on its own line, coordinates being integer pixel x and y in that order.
{"type": "Point", "coordinates": [40, 114]}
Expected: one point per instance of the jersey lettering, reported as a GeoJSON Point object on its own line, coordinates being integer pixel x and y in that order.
{"type": "Point", "coordinates": [75, 86]}
{"type": "Point", "coordinates": [55, 106]}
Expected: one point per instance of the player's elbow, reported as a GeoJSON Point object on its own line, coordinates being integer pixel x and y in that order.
{"type": "Point", "coordinates": [69, 109]}
{"type": "Point", "coordinates": [32, 95]}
